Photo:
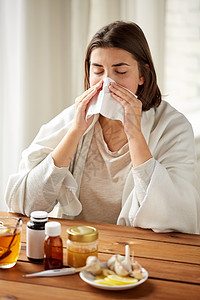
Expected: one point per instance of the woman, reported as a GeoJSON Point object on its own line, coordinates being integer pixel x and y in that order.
{"type": "Point", "coordinates": [139, 172]}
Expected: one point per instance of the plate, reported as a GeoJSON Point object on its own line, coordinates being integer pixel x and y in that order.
{"type": "Point", "coordinates": [89, 278]}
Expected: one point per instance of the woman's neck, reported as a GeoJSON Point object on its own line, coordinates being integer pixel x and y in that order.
{"type": "Point", "coordinates": [113, 133]}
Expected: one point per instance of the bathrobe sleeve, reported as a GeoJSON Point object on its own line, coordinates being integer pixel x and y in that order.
{"type": "Point", "coordinates": [39, 184]}
{"type": "Point", "coordinates": [170, 201]}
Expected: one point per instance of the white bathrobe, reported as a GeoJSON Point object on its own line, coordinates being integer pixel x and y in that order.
{"type": "Point", "coordinates": [170, 202]}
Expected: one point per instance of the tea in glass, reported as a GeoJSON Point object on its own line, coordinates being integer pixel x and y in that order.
{"type": "Point", "coordinates": [10, 241]}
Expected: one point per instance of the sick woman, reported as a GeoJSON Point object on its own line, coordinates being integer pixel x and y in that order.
{"type": "Point", "coordinates": [138, 171]}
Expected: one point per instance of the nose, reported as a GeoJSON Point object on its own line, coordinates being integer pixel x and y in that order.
{"type": "Point", "coordinates": [106, 74]}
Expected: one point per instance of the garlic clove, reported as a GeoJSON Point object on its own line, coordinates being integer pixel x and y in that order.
{"type": "Point", "coordinates": [106, 272]}
{"type": "Point", "coordinates": [120, 257]}
{"type": "Point", "coordinates": [120, 267]}
{"type": "Point", "coordinates": [127, 260]}
{"type": "Point", "coordinates": [136, 266]}
{"type": "Point", "coordinates": [111, 261]}
{"type": "Point", "coordinates": [138, 274]}
{"type": "Point", "coordinates": [93, 265]}
{"type": "Point", "coordinates": [120, 270]}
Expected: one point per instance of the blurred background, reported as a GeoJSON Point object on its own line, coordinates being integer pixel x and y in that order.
{"type": "Point", "coordinates": [42, 50]}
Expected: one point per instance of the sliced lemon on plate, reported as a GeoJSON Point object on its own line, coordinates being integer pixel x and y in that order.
{"type": "Point", "coordinates": [102, 281]}
{"type": "Point", "coordinates": [116, 280]}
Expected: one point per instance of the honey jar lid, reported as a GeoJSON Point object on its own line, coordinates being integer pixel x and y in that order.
{"type": "Point", "coordinates": [82, 234]}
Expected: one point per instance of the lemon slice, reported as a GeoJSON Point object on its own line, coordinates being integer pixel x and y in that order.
{"type": "Point", "coordinates": [4, 230]}
{"type": "Point", "coordinates": [102, 281]}
{"type": "Point", "coordinates": [118, 280]}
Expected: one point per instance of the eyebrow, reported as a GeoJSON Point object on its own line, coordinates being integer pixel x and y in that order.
{"type": "Point", "coordinates": [115, 65]}
{"type": "Point", "coordinates": [120, 64]}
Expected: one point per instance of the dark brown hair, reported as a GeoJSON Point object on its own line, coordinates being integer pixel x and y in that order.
{"type": "Point", "coordinates": [129, 37]}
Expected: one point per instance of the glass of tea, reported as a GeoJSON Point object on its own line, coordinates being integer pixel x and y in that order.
{"type": "Point", "coordinates": [10, 241]}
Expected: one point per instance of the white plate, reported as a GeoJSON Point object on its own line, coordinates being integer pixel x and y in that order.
{"type": "Point", "coordinates": [89, 278]}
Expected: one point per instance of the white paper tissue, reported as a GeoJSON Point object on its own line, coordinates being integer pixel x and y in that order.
{"type": "Point", "coordinates": [105, 104]}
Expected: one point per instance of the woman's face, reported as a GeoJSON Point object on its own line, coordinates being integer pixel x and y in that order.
{"type": "Point", "coordinates": [117, 64]}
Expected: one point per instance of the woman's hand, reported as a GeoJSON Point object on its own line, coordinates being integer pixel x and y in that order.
{"type": "Point", "coordinates": [132, 109]}
{"type": "Point", "coordinates": [80, 124]}
{"type": "Point", "coordinates": [65, 150]}
{"type": "Point", "coordinates": [139, 150]}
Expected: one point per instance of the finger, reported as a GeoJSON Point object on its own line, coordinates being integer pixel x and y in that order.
{"type": "Point", "coordinates": [90, 92]}
{"type": "Point", "coordinates": [97, 86]}
{"type": "Point", "coordinates": [120, 100]}
{"type": "Point", "coordinates": [135, 103]}
{"type": "Point", "coordinates": [122, 92]}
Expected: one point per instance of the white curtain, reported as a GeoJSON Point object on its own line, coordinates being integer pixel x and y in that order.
{"type": "Point", "coordinates": [42, 49]}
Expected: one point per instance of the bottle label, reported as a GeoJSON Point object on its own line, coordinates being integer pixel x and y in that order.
{"type": "Point", "coordinates": [35, 243]}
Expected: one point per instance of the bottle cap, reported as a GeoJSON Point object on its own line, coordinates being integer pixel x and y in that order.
{"type": "Point", "coordinates": [39, 216]}
{"type": "Point", "coordinates": [82, 234]}
{"type": "Point", "coordinates": [52, 228]}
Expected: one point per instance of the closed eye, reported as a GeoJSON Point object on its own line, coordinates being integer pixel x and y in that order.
{"type": "Point", "coordinates": [121, 72]}
{"type": "Point", "coordinates": [97, 73]}
{"type": "Point", "coordinates": [96, 69]}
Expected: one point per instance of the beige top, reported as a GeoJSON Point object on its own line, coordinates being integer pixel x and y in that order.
{"type": "Point", "coordinates": [103, 180]}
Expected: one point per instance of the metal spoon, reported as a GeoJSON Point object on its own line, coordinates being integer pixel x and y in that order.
{"type": "Point", "coordinates": [8, 251]}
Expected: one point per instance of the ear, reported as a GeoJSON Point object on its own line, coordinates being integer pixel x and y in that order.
{"type": "Point", "coordinates": [141, 78]}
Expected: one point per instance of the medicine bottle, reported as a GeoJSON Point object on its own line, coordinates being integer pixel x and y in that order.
{"type": "Point", "coordinates": [82, 242]}
{"type": "Point", "coordinates": [53, 246]}
{"type": "Point", "coordinates": [35, 235]}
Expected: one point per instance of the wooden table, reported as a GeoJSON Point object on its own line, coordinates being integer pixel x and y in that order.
{"type": "Point", "coordinates": [172, 260]}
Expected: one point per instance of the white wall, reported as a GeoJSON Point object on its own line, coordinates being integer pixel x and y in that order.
{"type": "Point", "coordinates": [182, 58]}
{"type": "Point", "coordinates": [182, 62]}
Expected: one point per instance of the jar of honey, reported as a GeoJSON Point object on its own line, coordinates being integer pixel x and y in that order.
{"type": "Point", "coordinates": [82, 242]}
